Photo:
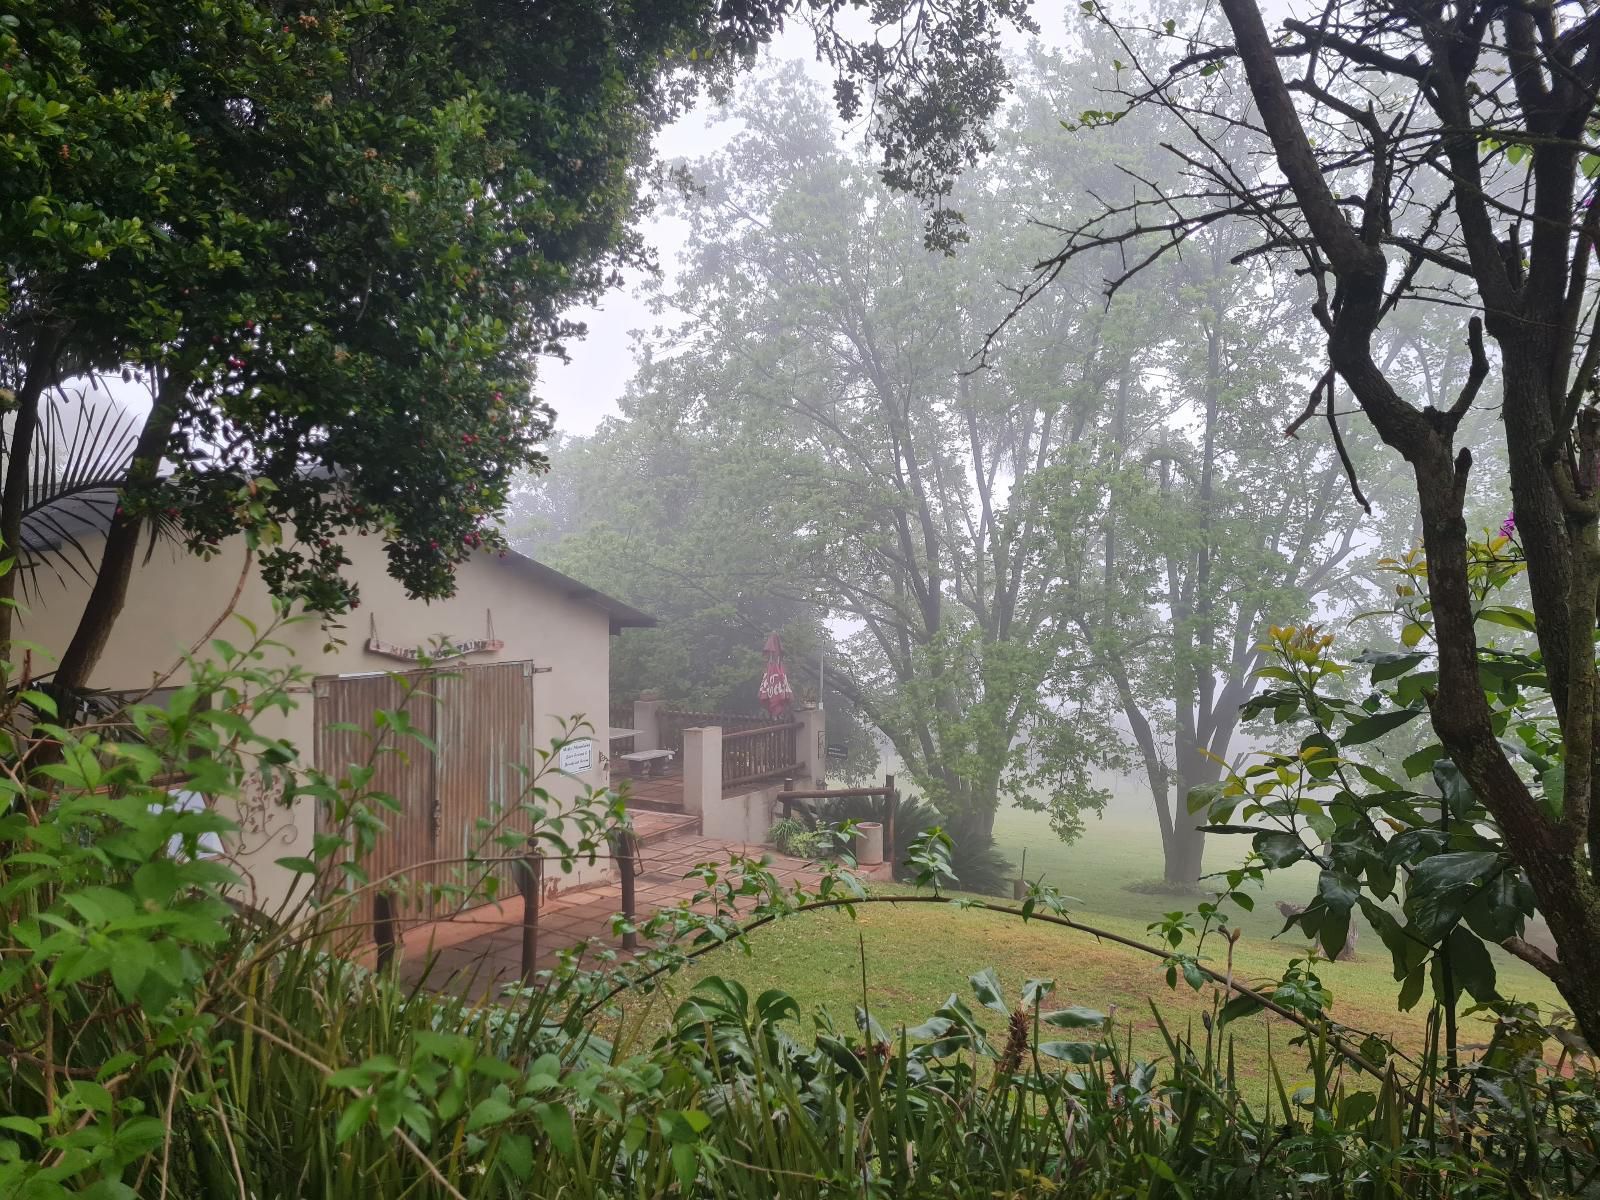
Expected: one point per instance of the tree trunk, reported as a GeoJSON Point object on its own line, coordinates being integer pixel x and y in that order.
{"type": "Point", "coordinates": [1183, 851]}
{"type": "Point", "coordinates": [14, 495]}
{"type": "Point", "coordinates": [110, 589]}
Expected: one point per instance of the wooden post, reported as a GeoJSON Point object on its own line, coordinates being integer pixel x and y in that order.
{"type": "Point", "coordinates": [891, 807]}
{"type": "Point", "coordinates": [383, 928]}
{"type": "Point", "coordinates": [530, 878]}
{"type": "Point", "coordinates": [625, 848]}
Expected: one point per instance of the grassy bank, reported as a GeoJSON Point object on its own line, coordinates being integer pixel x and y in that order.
{"type": "Point", "coordinates": [903, 961]}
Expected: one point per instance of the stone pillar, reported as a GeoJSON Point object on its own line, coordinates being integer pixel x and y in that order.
{"type": "Point", "coordinates": [646, 719]}
{"type": "Point", "coordinates": [811, 745]}
{"type": "Point", "coordinates": [702, 768]}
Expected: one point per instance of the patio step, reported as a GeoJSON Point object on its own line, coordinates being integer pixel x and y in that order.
{"type": "Point", "coordinates": [655, 825]}
{"type": "Point", "coordinates": [647, 804]}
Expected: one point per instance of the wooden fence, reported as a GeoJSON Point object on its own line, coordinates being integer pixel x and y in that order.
{"type": "Point", "coordinates": [765, 752]}
{"type": "Point", "coordinates": [674, 721]}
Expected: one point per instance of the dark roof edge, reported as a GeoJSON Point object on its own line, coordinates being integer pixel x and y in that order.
{"type": "Point", "coordinates": [622, 616]}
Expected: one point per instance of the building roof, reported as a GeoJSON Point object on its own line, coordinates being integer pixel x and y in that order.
{"type": "Point", "coordinates": [622, 615]}
{"type": "Point", "coordinates": [89, 514]}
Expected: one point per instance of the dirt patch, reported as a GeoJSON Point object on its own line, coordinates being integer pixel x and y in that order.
{"type": "Point", "coordinates": [1163, 887]}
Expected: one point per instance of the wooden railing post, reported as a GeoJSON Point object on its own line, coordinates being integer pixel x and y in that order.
{"type": "Point", "coordinates": [891, 808]}
{"type": "Point", "coordinates": [383, 928]}
{"type": "Point", "coordinates": [625, 849]}
{"type": "Point", "coordinates": [530, 880]}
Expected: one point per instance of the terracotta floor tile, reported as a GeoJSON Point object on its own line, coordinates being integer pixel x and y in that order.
{"type": "Point", "coordinates": [479, 964]}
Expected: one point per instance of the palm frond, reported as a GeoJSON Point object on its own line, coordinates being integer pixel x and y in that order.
{"type": "Point", "coordinates": [80, 458]}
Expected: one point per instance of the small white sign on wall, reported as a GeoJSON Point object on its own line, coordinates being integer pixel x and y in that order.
{"type": "Point", "coordinates": [578, 757]}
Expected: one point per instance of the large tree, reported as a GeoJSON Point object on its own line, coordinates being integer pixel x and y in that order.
{"type": "Point", "coordinates": [1438, 152]}
{"type": "Point", "coordinates": [1215, 528]}
{"type": "Point", "coordinates": [821, 387]}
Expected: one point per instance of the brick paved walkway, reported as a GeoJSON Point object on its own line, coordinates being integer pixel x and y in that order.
{"type": "Point", "coordinates": [481, 950]}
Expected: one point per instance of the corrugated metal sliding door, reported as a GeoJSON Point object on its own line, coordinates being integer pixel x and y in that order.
{"type": "Point", "coordinates": [486, 761]}
{"type": "Point", "coordinates": [481, 719]}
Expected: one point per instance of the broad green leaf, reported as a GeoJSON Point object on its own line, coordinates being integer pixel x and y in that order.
{"type": "Point", "coordinates": [1511, 617]}
{"type": "Point", "coordinates": [1081, 1053]}
{"type": "Point", "coordinates": [491, 1110]}
{"type": "Point", "coordinates": [986, 987]}
{"type": "Point", "coordinates": [557, 1123]}
{"type": "Point", "coordinates": [1389, 666]}
{"type": "Point", "coordinates": [1375, 726]}
{"type": "Point", "coordinates": [1075, 1017]}
{"type": "Point", "coordinates": [1279, 849]}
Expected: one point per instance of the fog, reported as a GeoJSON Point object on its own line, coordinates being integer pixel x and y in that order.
{"type": "Point", "coordinates": [1037, 502]}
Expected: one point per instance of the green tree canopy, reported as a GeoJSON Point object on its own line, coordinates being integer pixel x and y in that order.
{"type": "Point", "coordinates": [335, 237]}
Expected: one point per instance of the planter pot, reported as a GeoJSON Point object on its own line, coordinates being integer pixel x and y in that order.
{"type": "Point", "coordinates": [869, 843]}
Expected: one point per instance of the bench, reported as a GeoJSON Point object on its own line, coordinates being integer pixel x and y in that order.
{"type": "Point", "coordinates": [646, 762]}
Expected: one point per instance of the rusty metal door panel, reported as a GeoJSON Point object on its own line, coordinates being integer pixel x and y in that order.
{"type": "Point", "coordinates": [402, 768]}
{"type": "Point", "coordinates": [481, 719]}
{"type": "Point", "coordinates": [486, 760]}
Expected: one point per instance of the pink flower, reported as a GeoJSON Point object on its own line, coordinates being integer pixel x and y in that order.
{"type": "Point", "coordinates": [1508, 527]}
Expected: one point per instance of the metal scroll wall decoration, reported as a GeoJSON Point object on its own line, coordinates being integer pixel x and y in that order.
{"type": "Point", "coordinates": [444, 649]}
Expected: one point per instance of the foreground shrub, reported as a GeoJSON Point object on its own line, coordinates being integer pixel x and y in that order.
{"type": "Point", "coordinates": [156, 1040]}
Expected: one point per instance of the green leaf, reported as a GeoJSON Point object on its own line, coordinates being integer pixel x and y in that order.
{"type": "Point", "coordinates": [1375, 726]}
{"type": "Point", "coordinates": [1388, 666]}
{"type": "Point", "coordinates": [1422, 761]}
{"type": "Point", "coordinates": [1470, 965]}
{"type": "Point", "coordinates": [22, 1125]}
{"type": "Point", "coordinates": [986, 986]}
{"type": "Point", "coordinates": [1080, 1053]}
{"type": "Point", "coordinates": [491, 1110]}
{"type": "Point", "coordinates": [1278, 849]}
{"type": "Point", "coordinates": [1356, 1107]}
{"type": "Point", "coordinates": [352, 1119]}
{"type": "Point", "coordinates": [1075, 1017]}
{"type": "Point", "coordinates": [1238, 1008]}
{"type": "Point", "coordinates": [1337, 893]}
{"type": "Point", "coordinates": [557, 1123]}
{"type": "Point", "coordinates": [1455, 789]}
{"type": "Point", "coordinates": [1412, 634]}
{"type": "Point", "coordinates": [1161, 1169]}
{"type": "Point", "coordinates": [1444, 872]}
{"type": "Point", "coordinates": [1500, 908]}
{"type": "Point", "coordinates": [516, 1152]}
{"type": "Point", "coordinates": [1035, 990]}
{"type": "Point", "coordinates": [1553, 789]}
{"type": "Point", "coordinates": [1203, 796]}
{"type": "Point", "coordinates": [1508, 615]}
{"type": "Point", "coordinates": [1411, 989]}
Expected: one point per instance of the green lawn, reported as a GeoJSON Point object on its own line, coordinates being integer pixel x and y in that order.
{"type": "Point", "coordinates": [915, 956]}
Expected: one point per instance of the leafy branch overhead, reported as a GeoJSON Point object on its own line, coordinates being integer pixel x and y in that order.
{"type": "Point", "coordinates": [1404, 840]}
{"type": "Point", "coordinates": [336, 242]}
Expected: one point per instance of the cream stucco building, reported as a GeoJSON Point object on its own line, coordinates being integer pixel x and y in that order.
{"type": "Point", "coordinates": [540, 657]}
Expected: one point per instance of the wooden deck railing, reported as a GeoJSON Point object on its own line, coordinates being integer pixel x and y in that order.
{"type": "Point", "coordinates": [674, 721]}
{"type": "Point", "coordinates": [765, 752]}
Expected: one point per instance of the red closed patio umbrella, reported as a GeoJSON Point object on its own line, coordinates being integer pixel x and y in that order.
{"type": "Point", "coordinates": [775, 695]}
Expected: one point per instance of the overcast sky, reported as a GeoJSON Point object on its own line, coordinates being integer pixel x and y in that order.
{"type": "Point", "coordinates": [585, 390]}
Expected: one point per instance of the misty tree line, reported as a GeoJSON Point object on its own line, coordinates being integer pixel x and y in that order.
{"type": "Point", "coordinates": [1039, 542]}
